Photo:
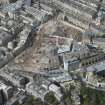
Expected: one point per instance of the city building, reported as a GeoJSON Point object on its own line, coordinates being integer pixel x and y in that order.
{"type": "Point", "coordinates": [6, 92]}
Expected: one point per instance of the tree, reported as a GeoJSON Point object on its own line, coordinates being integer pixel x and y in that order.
{"type": "Point", "coordinates": [92, 96]}
{"type": "Point", "coordinates": [51, 99]}
{"type": "Point", "coordinates": [32, 101]}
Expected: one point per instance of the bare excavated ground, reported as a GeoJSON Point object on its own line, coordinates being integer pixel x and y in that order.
{"type": "Point", "coordinates": [34, 59]}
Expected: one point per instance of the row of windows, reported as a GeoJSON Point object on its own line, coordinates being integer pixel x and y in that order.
{"type": "Point", "coordinates": [93, 60]}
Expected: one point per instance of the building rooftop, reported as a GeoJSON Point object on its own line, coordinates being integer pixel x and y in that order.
{"type": "Point", "coordinates": [96, 67]}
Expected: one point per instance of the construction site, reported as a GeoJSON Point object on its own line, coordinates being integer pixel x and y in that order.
{"type": "Point", "coordinates": [46, 44]}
